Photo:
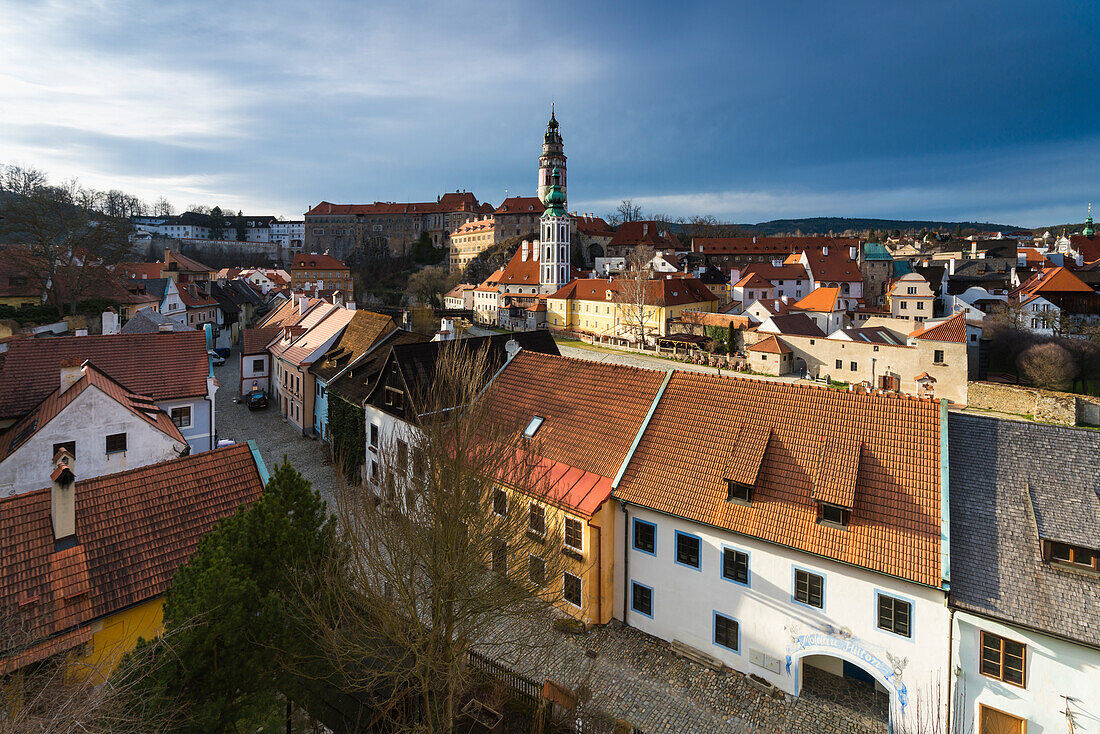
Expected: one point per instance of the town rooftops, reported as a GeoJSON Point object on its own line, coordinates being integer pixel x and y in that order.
{"type": "Point", "coordinates": [356, 383]}
{"type": "Point", "coordinates": [1005, 505]}
{"type": "Point", "coordinates": [764, 245]}
{"type": "Point", "coordinates": [833, 264]}
{"type": "Point", "coordinates": [458, 201]}
{"type": "Point", "coordinates": [362, 333]}
{"type": "Point", "coordinates": [754, 280]}
{"type": "Point", "coordinates": [133, 529]}
{"type": "Point", "coordinates": [686, 456]}
{"type": "Point", "coordinates": [183, 263]}
{"type": "Point", "coordinates": [151, 321]}
{"type": "Point", "coordinates": [769, 272]}
{"type": "Point", "coordinates": [162, 366]}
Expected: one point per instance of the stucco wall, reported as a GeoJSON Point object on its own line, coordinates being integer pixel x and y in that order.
{"type": "Point", "coordinates": [88, 420]}
{"type": "Point", "coordinates": [118, 634]}
{"type": "Point", "coordinates": [261, 377]}
{"type": "Point", "coordinates": [1047, 406]}
{"type": "Point", "coordinates": [199, 434]}
{"type": "Point", "coordinates": [1053, 668]}
{"type": "Point", "coordinates": [685, 600]}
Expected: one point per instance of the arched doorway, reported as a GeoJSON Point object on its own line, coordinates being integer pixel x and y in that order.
{"type": "Point", "coordinates": [862, 684]}
{"type": "Point", "coordinates": [594, 250]}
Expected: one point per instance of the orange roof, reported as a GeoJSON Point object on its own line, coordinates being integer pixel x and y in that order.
{"type": "Point", "coordinates": [895, 520]}
{"type": "Point", "coordinates": [476, 225]}
{"type": "Point", "coordinates": [837, 266]}
{"type": "Point", "coordinates": [823, 300]}
{"type": "Point", "coordinates": [951, 330]}
{"type": "Point", "coordinates": [193, 298]}
{"type": "Point", "coordinates": [753, 280]}
{"type": "Point", "coordinates": [1033, 258]}
{"type": "Point", "coordinates": [1050, 281]}
{"type": "Point", "coordinates": [771, 345]}
{"type": "Point", "coordinates": [133, 529]}
{"type": "Point", "coordinates": [141, 271]}
{"type": "Point", "coordinates": [764, 245]}
{"type": "Point", "coordinates": [309, 262]}
{"type": "Point", "coordinates": [255, 341]}
{"type": "Point", "coordinates": [663, 291]}
{"type": "Point", "coordinates": [578, 400]}
{"type": "Point", "coordinates": [521, 205]}
{"type": "Point", "coordinates": [769, 272]}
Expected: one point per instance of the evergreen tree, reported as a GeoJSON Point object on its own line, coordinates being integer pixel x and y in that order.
{"type": "Point", "coordinates": [230, 640]}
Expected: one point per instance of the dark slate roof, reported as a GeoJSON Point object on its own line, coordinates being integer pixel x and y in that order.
{"type": "Point", "coordinates": [150, 321]}
{"type": "Point", "coordinates": [1070, 516]}
{"type": "Point", "coordinates": [796, 324]}
{"type": "Point", "coordinates": [997, 568]}
{"type": "Point", "coordinates": [356, 384]}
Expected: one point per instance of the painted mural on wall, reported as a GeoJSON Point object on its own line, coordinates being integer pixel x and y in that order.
{"type": "Point", "coordinates": [845, 645]}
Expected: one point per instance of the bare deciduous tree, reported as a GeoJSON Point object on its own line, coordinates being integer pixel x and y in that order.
{"type": "Point", "coordinates": [1048, 365]}
{"type": "Point", "coordinates": [64, 244]}
{"type": "Point", "coordinates": [435, 562]}
{"type": "Point", "coordinates": [21, 181]}
{"type": "Point", "coordinates": [636, 296]}
{"type": "Point", "coordinates": [626, 211]}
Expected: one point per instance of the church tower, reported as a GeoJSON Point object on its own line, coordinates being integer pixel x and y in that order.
{"type": "Point", "coordinates": [553, 156]}
{"type": "Point", "coordinates": [1088, 231]}
{"type": "Point", "coordinates": [554, 238]}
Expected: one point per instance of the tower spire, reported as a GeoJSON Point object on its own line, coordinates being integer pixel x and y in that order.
{"type": "Point", "coordinates": [1088, 231]}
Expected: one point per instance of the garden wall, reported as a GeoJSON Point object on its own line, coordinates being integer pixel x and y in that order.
{"type": "Point", "coordinates": [1047, 406]}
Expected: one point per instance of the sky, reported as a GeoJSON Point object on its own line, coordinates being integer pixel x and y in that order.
{"type": "Point", "coordinates": [748, 111]}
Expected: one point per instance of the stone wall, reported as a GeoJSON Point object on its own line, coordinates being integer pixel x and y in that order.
{"type": "Point", "coordinates": [1047, 406]}
{"type": "Point", "coordinates": [223, 253]}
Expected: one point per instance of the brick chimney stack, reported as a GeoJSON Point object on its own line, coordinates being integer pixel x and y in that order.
{"type": "Point", "coordinates": [63, 495]}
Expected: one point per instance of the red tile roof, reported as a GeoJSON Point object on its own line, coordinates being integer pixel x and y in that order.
{"type": "Point", "coordinates": [895, 521]}
{"type": "Point", "coordinates": [192, 297]}
{"type": "Point", "coordinates": [140, 405]}
{"type": "Point", "coordinates": [593, 226]}
{"type": "Point", "coordinates": [452, 202]}
{"type": "Point", "coordinates": [754, 280]}
{"type": "Point", "coordinates": [521, 205]}
{"type": "Point", "coordinates": [133, 530]}
{"type": "Point", "coordinates": [255, 341]}
{"type": "Point", "coordinates": [579, 400]}
{"type": "Point", "coordinates": [765, 245]}
{"type": "Point", "coordinates": [777, 272]}
{"type": "Point", "coordinates": [186, 264]}
{"type": "Point", "coordinates": [770, 345]}
{"type": "Point", "coordinates": [163, 366]}
{"type": "Point", "coordinates": [838, 266]}
{"type": "Point", "coordinates": [650, 233]}
{"type": "Point", "coordinates": [662, 291]}
{"type": "Point", "coordinates": [312, 262]}
{"type": "Point", "coordinates": [1051, 281]}
{"type": "Point", "coordinates": [822, 300]}
{"type": "Point", "coordinates": [951, 330]}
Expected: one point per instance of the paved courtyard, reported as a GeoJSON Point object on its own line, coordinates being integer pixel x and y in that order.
{"type": "Point", "coordinates": [275, 437]}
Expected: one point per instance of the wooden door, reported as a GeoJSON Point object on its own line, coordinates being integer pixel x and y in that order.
{"type": "Point", "coordinates": [998, 722]}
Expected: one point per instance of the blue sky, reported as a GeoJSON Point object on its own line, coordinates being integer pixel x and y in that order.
{"type": "Point", "coordinates": [744, 110]}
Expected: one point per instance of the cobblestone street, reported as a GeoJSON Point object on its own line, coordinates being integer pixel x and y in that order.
{"type": "Point", "coordinates": [275, 437]}
{"type": "Point", "coordinates": [635, 677]}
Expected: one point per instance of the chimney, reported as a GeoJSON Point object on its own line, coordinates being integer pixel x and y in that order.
{"type": "Point", "coordinates": [63, 495]}
{"type": "Point", "coordinates": [853, 252]}
{"type": "Point", "coordinates": [785, 299]}
{"type": "Point", "coordinates": [81, 332]}
{"type": "Point", "coordinates": [110, 321]}
{"type": "Point", "coordinates": [951, 266]}
{"type": "Point", "coordinates": [645, 229]}
{"type": "Point", "coordinates": [301, 305]}
{"type": "Point", "coordinates": [523, 257]}
{"type": "Point", "coordinates": [164, 327]}
{"type": "Point", "coordinates": [825, 251]}
{"type": "Point", "coordinates": [974, 249]}
{"type": "Point", "coordinates": [70, 373]}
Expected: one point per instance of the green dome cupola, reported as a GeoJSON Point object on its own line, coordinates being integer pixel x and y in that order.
{"type": "Point", "coordinates": [555, 197]}
{"type": "Point", "coordinates": [1088, 231]}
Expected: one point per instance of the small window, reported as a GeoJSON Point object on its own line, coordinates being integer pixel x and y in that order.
{"type": "Point", "coordinates": [402, 457]}
{"type": "Point", "coordinates": [571, 589]}
{"type": "Point", "coordinates": [937, 356]}
{"type": "Point", "coordinates": [894, 615]}
{"type": "Point", "coordinates": [1072, 555]}
{"type": "Point", "coordinates": [536, 570]}
{"type": "Point", "coordinates": [641, 599]}
{"type": "Point", "coordinates": [809, 588]}
{"type": "Point", "coordinates": [374, 471]}
{"type": "Point", "coordinates": [500, 557]}
{"type": "Point", "coordinates": [574, 534]}
{"type": "Point", "coordinates": [833, 514]}
{"type": "Point", "coordinates": [840, 364]}
{"type": "Point", "coordinates": [645, 537]}
{"type": "Point", "coordinates": [373, 436]}
{"type": "Point", "coordinates": [181, 417]}
{"type": "Point", "coordinates": [116, 443]}
{"type": "Point", "coordinates": [854, 366]}
{"type": "Point", "coordinates": [688, 550]}
{"type": "Point", "coordinates": [500, 502]}
{"type": "Point", "coordinates": [69, 446]}
{"type": "Point", "coordinates": [536, 519]}
{"type": "Point", "coordinates": [738, 492]}
{"type": "Point", "coordinates": [727, 632]}
{"type": "Point", "coordinates": [533, 426]}
{"type": "Point", "coordinates": [735, 566]}
{"type": "Point", "coordinates": [1003, 659]}
{"type": "Point", "coordinates": [257, 365]}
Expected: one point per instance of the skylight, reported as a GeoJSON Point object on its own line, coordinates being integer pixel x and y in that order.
{"type": "Point", "coordinates": [533, 426]}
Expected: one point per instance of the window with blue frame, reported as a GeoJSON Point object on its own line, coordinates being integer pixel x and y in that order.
{"type": "Point", "coordinates": [688, 550]}
{"type": "Point", "coordinates": [894, 615]}
{"type": "Point", "coordinates": [727, 632]}
{"type": "Point", "coordinates": [809, 588]}
{"type": "Point", "coordinates": [735, 566]}
{"type": "Point", "coordinates": [641, 598]}
{"type": "Point", "coordinates": [645, 537]}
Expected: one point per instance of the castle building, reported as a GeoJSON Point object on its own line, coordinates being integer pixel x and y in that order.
{"type": "Point", "coordinates": [553, 157]}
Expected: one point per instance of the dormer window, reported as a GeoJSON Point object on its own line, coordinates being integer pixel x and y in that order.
{"type": "Point", "coordinates": [833, 514]}
{"type": "Point", "coordinates": [739, 492]}
{"type": "Point", "coordinates": [1074, 555]}
{"type": "Point", "coordinates": [533, 426]}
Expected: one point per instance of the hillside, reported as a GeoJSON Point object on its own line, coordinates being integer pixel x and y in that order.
{"type": "Point", "coordinates": [839, 225]}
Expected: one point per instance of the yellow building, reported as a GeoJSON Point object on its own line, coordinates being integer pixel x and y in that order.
{"type": "Point", "coordinates": [470, 240]}
{"type": "Point", "coordinates": [566, 504]}
{"type": "Point", "coordinates": [605, 309]}
{"type": "Point", "coordinates": [88, 562]}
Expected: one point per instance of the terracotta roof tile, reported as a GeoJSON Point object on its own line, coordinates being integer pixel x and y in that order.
{"type": "Point", "coordinates": [836, 472]}
{"type": "Point", "coordinates": [819, 299]}
{"type": "Point", "coordinates": [255, 341]}
{"type": "Point", "coordinates": [133, 529]}
{"type": "Point", "coordinates": [313, 262]}
{"type": "Point", "coordinates": [895, 522]}
{"type": "Point", "coordinates": [771, 345]}
{"type": "Point", "coordinates": [951, 330]}
{"type": "Point", "coordinates": [162, 366]}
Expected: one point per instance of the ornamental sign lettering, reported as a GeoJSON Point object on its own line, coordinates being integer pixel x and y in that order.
{"type": "Point", "coordinates": [815, 642]}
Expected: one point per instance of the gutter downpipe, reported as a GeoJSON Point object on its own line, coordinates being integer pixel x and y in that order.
{"type": "Point", "coordinates": [945, 552]}
{"type": "Point", "coordinates": [626, 563]}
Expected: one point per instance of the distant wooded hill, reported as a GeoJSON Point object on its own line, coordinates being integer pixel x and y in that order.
{"type": "Point", "coordinates": [840, 225]}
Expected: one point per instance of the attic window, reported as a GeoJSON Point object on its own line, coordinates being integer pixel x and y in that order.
{"type": "Point", "coordinates": [739, 492]}
{"type": "Point", "coordinates": [533, 426]}
{"type": "Point", "coordinates": [1074, 555]}
{"type": "Point", "coordinates": [833, 515]}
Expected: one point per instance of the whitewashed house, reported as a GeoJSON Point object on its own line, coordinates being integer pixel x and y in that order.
{"type": "Point", "coordinates": [792, 533]}
{"type": "Point", "coordinates": [105, 426]}
{"type": "Point", "coordinates": [1025, 585]}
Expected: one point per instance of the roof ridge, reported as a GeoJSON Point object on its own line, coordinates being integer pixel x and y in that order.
{"type": "Point", "coordinates": [593, 361]}
{"type": "Point", "coordinates": [799, 386]}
